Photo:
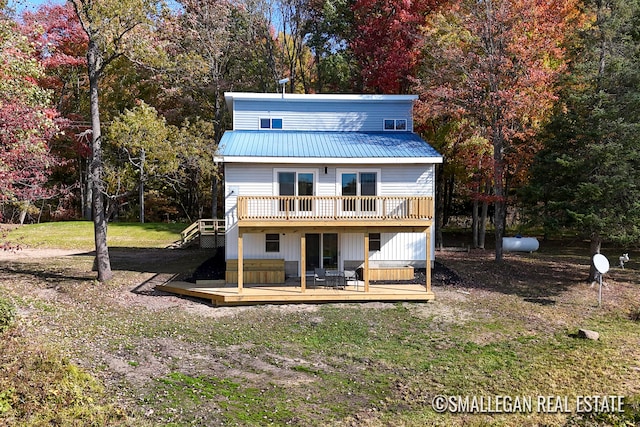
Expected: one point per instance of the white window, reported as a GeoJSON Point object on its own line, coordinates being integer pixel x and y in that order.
{"type": "Point", "coordinates": [359, 183]}
{"type": "Point", "coordinates": [295, 183]}
{"type": "Point", "coordinates": [395, 124]}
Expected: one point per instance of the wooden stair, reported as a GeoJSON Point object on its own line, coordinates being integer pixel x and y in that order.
{"type": "Point", "coordinates": [207, 233]}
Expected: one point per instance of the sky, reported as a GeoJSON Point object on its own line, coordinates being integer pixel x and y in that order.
{"type": "Point", "coordinates": [31, 5]}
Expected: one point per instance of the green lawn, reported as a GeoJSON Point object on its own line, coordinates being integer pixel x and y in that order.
{"type": "Point", "coordinates": [79, 235]}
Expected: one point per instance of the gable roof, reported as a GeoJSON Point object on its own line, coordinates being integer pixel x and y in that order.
{"type": "Point", "coordinates": [335, 147]}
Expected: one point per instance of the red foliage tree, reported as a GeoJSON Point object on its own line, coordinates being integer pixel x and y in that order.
{"type": "Point", "coordinates": [386, 41]}
{"type": "Point", "coordinates": [60, 45]}
{"type": "Point", "coordinates": [27, 122]}
{"type": "Point", "coordinates": [24, 151]}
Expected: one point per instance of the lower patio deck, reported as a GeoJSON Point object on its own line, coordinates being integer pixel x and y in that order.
{"type": "Point", "coordinates": [221, 294]}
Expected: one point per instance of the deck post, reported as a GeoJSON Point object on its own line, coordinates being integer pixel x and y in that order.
{"type": "Point", "coordinates": [427, 234]}
{"type": "Point", "coordinates": [365, 271]}
{"type": "Point", "coordinates": [240, 266]}
{"type": "Point", "coordinates": [303, 262]}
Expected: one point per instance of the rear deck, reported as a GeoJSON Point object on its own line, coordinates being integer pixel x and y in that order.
{"type": "Point", "coordinates": [221, 294]}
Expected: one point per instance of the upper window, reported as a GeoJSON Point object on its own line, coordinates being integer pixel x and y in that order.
{"type": "Point", "coordinates": [363, 184]}
{"type": "Point", "coordinates": [295, 184]}
{"type": "Point", "coordinates": [395, 124]}
{"type": "Point", "coordinates": [267, 123]}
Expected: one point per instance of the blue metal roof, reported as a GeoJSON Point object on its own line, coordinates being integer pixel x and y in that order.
{"type": "Point", "coordinates": [314, 144]}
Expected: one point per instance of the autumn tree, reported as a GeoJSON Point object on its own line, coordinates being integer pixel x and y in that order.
{"type": "Point", "coordinates": [495, 64]}
{"type": "Point", "coordinates": [27, 121]}
{"type": "Point", "coordinates": [327, 32]}
{"type": "Point", "coordinates": [213, 47]}
{"type": "Point", "coordinates": [113, 28]}
{"type": "Point", "coordinates": [60, 45]}
{"type": "Point", "coordinates": [587, 177]}
{"type": "Point", "coordinates": [386, 42]}
{"type": "Point", "coordinates": [294, 16]}
{"type": "Point", "coordinates": [222, 46]}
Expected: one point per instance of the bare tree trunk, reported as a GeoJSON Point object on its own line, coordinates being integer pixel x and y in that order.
{"type": "Point", "coordinates": [483, 224]}
{"type": "Point", "coordinates": [103, 263]}
{"type": "Point", "coordinates": [474, 218]}
{"type": "Point", "coordinates": [500, 196]}
{"type": "Point", "coordinates": [141, 189]}
{"type": "Point", "coordinates": [24, 208]}
{"type": "Point", "coordinates": [439, 201]}
{"type": "Point", "coordinates": [87, 199]}
{"type": "Point", "coordinates": [449, 185]}
{"type": "Point", "coordinates": [499, 216]}
{"type": "Point", "coordinates": [214, 195]}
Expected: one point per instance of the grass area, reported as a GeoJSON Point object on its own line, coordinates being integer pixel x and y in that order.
{"type": "Point", "coordinates": [79, 235]}
{"type": "Point", "coordinates": [121, 354]}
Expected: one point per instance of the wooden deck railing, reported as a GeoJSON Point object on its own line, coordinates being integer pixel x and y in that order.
{"type": "Point", "coordinates": [334, 207]}
{"type": "Point", "coordinates": [202, 227]}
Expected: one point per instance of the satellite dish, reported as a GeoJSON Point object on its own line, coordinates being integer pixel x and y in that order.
{"type": "Point", "coordinates": [601, 263]}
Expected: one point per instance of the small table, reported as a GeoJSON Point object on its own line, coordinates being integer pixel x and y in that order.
{"type": "Point", "coordinates": [336, 277]}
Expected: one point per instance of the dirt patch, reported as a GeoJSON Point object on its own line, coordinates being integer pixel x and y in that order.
{"type": "Point", "coordinates": [29, 253]}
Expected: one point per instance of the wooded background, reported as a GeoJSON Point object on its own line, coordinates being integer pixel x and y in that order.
{"type": "Point", "coordinates": [535, 105]}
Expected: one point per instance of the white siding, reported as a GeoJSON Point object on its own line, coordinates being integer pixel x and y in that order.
{"type": "Point", "coordinates": [321, 116]}
{"type": "Point", "coordinates": [397, 249]}
{"type": "Point", "coordinates": [414, 180]}
{"type": "Point", "coordinates": [254, 247]}
{"type": "Point", "coordinates": [401, 249]}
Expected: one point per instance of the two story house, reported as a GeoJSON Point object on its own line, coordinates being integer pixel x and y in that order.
{"type": "Point", "coordinates": [331, 183]}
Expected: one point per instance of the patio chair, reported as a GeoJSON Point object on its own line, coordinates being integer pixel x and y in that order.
{"type": "Point", "coordinates": [320, 276]}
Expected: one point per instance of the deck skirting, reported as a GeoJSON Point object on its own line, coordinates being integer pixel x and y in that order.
{"type": "Point", "coordinates": [267, 271]}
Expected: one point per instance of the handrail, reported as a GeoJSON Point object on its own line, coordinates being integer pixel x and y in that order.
{"type": "Point", "coordinates": [189, 233]}
{"type": "Point", "coordinates": [335, 207]}
{"type": "Point", "coordinates": [200, 227]}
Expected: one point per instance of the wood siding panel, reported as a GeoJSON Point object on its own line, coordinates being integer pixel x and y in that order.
{"type": "Point", "coordinates": [391, 273]}
{"type": "Point", "coordinates": [256, 271]}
